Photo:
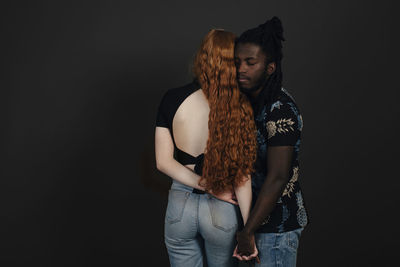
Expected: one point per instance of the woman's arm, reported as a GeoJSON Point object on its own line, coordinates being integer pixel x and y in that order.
{"type": "Point", "coordinates": [166, 163]}
{"type": "Point", "coordinates": [244, 195]}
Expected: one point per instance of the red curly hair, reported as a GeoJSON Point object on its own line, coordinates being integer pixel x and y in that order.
{"type": "Point", "coordinates": [231, 147]}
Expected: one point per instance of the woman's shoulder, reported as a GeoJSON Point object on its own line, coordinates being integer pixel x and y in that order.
{"type": "Point", "coordinates": [180, 93]}
{"type": "Point", "coordinates": [171, 101]}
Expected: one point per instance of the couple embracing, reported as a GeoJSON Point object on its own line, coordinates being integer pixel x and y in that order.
{"type": "Point", "coordinates": [230, 142]}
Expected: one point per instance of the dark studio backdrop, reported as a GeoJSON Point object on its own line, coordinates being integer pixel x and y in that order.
{"type": "Point", "coordinates": [80, 86]}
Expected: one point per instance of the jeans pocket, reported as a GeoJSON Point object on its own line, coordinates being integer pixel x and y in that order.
{"type": "Point", "coordinates": [176, 204]}
{"type": "Point", "coordinates": [224, 216]}
{"type": "Point", "coordinates": [292, 238]}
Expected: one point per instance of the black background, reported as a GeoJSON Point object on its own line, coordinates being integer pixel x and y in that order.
{"type": "Point", "coordinates": [80, 86]}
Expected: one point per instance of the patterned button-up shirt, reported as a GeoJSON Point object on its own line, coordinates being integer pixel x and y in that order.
{"type": "Point", "coordinates": [280, 124]}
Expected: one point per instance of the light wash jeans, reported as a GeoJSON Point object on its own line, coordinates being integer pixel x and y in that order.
{"type": "Point", "coordinates": [199, 224]}
{"type": "Point", "coordinates": [278, 249]}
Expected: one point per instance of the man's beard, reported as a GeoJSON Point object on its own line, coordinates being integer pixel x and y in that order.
{"type": "Point", "coordinates": [249, 90]}
{"type": "Point", "coordinates": [260, 84]}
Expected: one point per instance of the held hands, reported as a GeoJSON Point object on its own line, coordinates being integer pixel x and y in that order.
{"type": "Point", "coordinates": [246, 249]}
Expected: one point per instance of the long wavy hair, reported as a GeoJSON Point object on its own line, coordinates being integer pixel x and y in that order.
{"type": "Point", "coordinates": [231, 147]}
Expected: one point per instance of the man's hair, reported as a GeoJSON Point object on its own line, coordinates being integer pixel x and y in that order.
{"type": "Point", "coordinates": [269, 37]}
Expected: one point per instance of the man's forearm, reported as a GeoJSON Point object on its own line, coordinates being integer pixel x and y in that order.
{"type": "Point", "coordinates": [266, 201]}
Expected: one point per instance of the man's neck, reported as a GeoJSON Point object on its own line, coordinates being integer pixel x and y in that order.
{"type": "Point", "coordinates": [255, 94]}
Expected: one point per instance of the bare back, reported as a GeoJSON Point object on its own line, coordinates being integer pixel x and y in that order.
{"type": "Point", "coordinates": [190, 124]}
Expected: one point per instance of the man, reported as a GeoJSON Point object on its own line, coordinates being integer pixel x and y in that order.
{"type": "Point", "coordinates": [278, 215]}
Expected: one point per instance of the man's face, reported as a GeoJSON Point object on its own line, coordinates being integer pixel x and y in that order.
{"type": "Point", "coordinates": [250, 66]}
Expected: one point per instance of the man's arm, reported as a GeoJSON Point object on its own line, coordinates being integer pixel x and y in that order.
{"type": "Point", "coordinates": [279, 161]}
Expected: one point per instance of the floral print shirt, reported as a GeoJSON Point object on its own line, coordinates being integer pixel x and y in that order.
{"type": "Point", "coordinates": [280, 124]}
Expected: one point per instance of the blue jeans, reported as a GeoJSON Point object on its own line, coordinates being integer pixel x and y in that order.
{"type": "Point", "coordinates": [197, 224]}
{"type": "Point", "coordinates": [278, 249]}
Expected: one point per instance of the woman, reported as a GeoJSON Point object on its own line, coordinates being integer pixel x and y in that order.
{"type": "Point", "coordinates": [208, 116]}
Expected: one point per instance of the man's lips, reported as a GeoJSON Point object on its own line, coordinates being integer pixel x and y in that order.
{"type": "Point", "coordinates": [243, 79]}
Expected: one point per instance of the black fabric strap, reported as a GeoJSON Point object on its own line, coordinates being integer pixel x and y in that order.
{"type": "Point", "coordinates": [197, 191]}
{"type": "Point", "coordinates": [184, 158]}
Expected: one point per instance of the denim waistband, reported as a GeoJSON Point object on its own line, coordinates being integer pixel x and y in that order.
{"type": "Point", "coordinates": [179, 186]}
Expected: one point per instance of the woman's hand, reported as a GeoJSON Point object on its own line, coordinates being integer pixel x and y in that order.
{"type": "Point", "coordinates": [227, 196]}
{"type": "Point", "coordinates": [249, 259]}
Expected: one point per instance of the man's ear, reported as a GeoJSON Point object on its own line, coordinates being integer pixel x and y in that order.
{"type": "Point", "coordinates": [271, 68]}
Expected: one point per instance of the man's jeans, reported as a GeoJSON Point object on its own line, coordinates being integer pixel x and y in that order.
{"type": "Point", "coordinates": [197, 224]}
{"type": "Point", "coordinates": [278, 249]}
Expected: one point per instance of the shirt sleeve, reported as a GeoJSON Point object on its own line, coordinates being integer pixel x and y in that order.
{"type": "Point", "coordinates": [162, 113]}
{"type": "Point", "coordinates": [284, 125]}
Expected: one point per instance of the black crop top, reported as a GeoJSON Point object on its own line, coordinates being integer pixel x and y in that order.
{"type": "Point", "coordinates": [170, 103]}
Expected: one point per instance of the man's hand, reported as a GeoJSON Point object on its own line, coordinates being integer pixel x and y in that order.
{"type": "Point", "coordinates": [246, 248]}
{"type": "Point", "coordinates": [228, 196]}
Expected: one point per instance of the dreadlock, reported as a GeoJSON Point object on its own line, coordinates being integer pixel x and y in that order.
{"type": "Point", "coordinates": [269, 37]}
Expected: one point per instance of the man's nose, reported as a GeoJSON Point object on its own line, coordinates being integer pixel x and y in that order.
{"type": "Point", "coordinates": [242, 68]}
